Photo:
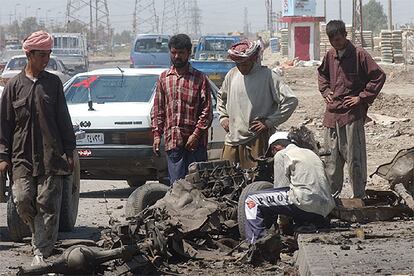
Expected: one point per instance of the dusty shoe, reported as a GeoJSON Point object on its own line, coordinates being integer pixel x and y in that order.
{"type": "Point", "coordinates": [270, 247]}
{"type": "Point", "coordinates": [266, 248]}
{"type": "Point", "coordinates": [38, 261]}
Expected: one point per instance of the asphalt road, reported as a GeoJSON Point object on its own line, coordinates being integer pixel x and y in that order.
{"type": "Point", "coordinates": [99, 202]}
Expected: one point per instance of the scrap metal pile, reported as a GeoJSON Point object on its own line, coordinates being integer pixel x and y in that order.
{"type": "Point", "coordinates": [197, 215]}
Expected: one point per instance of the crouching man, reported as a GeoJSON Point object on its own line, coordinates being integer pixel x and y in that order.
{"type": "Point", "coordinates": [301, 190]}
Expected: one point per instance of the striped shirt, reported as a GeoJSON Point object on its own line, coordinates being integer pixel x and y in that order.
{"type": "Point", "coordinates": [182, 106]}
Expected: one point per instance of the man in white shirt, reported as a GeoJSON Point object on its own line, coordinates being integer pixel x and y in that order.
{"type": "Point", "coordinates": [252, 102]}
{"type": "Point", "coordinates": [301, 189]}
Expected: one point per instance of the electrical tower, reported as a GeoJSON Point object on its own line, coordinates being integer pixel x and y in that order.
{"type": "Point", "coordinates": [145, 19]}
{"type": "Point", "coordinates": [195, 17]}
{"type": "Point", "coordinates": [99, 27]}
{"type": "Point", "coordinates": [170, 19]}
{"type": "Point", "coordinates": [183, 16]}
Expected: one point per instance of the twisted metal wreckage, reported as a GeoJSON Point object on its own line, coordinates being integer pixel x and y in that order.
{"type": "Point", "coordinates": [196, 214]}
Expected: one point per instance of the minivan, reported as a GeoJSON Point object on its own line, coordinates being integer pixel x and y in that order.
{"type": "Point", "coordinates": [150, 51]}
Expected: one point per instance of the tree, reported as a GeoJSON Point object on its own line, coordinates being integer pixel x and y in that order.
{"type": "Point", "coordinates": [14, 29]}
{"type": "Point", "coordinates": [373, 17]}
{"type": "Point", "coordinates": [76, 27]}
{"type": "Point", "coordinates": [28, 26]}
{"type": "Point", "coordinates": [124, 37]}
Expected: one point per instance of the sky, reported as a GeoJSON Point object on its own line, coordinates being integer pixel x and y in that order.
{"type": "Point", "coordinates": [217, 16]}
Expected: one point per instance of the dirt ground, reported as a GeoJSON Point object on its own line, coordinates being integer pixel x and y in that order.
{"type": "Point", "coordinates": [102, 200]}
{"type": "Point", "coordinates": [383, 139]}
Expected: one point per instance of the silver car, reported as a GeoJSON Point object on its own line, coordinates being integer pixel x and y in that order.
{"type": "Point", "coordinates": [17, 63]}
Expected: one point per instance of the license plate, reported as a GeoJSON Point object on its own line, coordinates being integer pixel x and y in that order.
{"type": "Point", "coordinates": [92, 139]}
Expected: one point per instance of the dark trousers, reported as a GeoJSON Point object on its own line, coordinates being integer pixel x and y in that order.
{"type": "Point", "coordinates": [179, 158]}
{"type": "Point", "coordinates": [268, 204]}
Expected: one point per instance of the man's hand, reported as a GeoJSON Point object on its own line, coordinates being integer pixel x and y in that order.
{"type": "Point", "coordinates": [3, 166]}
{"type": "Point", "coordinates": [351, 101]}
{"type": "Point", "coordinates": [156, 146]}
{"type": "Point", "coordinates": [192, 142]}
{"type": "Point", "coordinates": [257, 126]}
{"type": "Point", "coordinates": [71, 163]}
{"type": "Point", "coordinates": [328, 97]}
{"type": "Point", "coordinates": [225, 124]}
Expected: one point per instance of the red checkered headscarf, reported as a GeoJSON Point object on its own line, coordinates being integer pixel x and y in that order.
{"type": "Point", "coordinates": [243, 50]}
{"type": "Point", "coordinates": [39, 40]}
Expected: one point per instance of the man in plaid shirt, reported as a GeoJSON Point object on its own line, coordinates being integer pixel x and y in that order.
{"type": "Point", "coordinates": [182, 110]}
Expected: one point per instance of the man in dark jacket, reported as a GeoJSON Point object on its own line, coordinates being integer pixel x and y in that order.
{"type": "Point", "coordinates": [37, 143]}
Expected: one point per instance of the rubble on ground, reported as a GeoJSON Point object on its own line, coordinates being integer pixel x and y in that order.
{"type": "Point", "coordinates": [196, 222]}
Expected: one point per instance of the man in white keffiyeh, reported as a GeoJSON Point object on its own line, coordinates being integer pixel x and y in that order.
{"type": "Point", "coordinates": [252, 102]}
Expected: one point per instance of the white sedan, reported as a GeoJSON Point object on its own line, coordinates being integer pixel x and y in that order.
{"type": "Point", "coordinates": [113, 107]}
{"type": "Point", "coordinates": [16, 64]}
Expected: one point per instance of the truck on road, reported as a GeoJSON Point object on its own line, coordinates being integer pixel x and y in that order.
{"type": "Point", "coordinates": [210, 56]}
{"type": "Point", "coordinates": [72, 49]}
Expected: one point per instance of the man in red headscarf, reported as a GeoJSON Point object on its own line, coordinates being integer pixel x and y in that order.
{"type": "Point", "coordinates": [252, 102]}
{"type": "Point", "coordinates": [37, 143]}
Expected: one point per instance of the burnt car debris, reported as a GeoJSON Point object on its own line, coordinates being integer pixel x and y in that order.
{"type": "Point", "coordinates": [199, 215]}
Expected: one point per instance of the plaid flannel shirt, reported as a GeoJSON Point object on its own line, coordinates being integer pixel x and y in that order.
{"type": "Point", "coordinates": [182, 106]}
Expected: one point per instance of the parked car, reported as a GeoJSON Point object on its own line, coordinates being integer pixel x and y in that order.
{"type": "Point", "coordinates": [150, 51]}
{"type": "Point", "coordinates": [113, 107]}
{"type": "Point", "coordinates": [15, 65]}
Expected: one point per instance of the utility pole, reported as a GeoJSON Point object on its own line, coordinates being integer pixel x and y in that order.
{"type": "Point", "coordinates": [269, 9]}
{"type": "Point", "coordinates": [246, 23]}
{"type": "Point", "coordinates": [340, 9]}
{"type": "Point", "coordinates": [353, 20]}
{"type": "Point", "coordinates": [324, 9]}
{"type": "Point", "coordinates": [90, 23]}
{"type": "Point", "coordinates": [390, 27]}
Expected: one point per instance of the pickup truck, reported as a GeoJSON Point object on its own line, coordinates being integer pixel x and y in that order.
{"type": "Point", "coordinates": [210, 56]}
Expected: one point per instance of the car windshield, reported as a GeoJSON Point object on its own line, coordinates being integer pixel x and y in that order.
{"type": "Point", "coordinates": [20, 63]}
{"type": "Point", "coordinates": [218, 44]}
{"type": "Point", "coordinates": [151, 45]}
{"type": "Point", "coordinates": [107, 89]}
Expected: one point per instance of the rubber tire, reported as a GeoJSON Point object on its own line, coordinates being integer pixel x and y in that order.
{"type": "Point", "coordinates": [17, 228]}
{"type": "Point", "coordinates": [241, 215]}
{"type": "Point", "coordinates": [70, 199]}
{"type": "Point", "coordinates": [144, 196]}
{"type": "Point", "coordinates": [135, 182]}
